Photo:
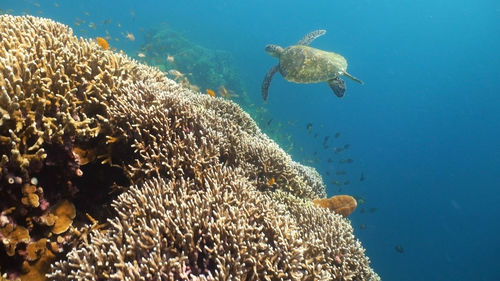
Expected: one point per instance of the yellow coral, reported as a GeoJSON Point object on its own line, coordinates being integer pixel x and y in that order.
{"type": "Point", "coordinates": [13, 235]}
{"type": "Point", "coordinates": [64, 212]}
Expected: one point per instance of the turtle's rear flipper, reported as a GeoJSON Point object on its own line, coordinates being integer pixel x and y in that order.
{"type": "Point", "coordinates": [267, 80]}
{"type": "Point", "coordinates": [338, 86]}
{"type": "Point", "coordinates": [353, 78]}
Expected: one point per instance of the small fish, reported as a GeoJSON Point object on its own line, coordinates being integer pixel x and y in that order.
{"type": "Point", "coordinates": [337, 134]}
{"type": "Point", "coordinates": [362, 177]}
{"type": "Point", "coordinates": [106, 21]}
{"type": "Point", "coordinates": [349, 160]}
{"type": "Point", "coordinates": [340, 173]}
{"type": "Point", "coordinates": [210, 92]}
{"type": "Point", "coordinates": [309, 127]}
{"type": "Point", "coordinates": [223, 92]}
{"type": "Point", "coordinates": [330, 160]}
{"type": "Point", "coordinates": [132, 13]}
{"type": "Point", "coordinates": [103, 43]}
{"type": "Point", "coordinates": [346, 146]}
{"type": "Point", "coordinates": [315, 135]}
{"type": "Point", "coordinates": [269, 121]}
{"type": "Point", "coordinates": [118, 24]}
{"type": "Point", "coordinates": [337, 150]}
{"type": "Point", "coordinates": [372, 210]}
{"type": "Point", "coordinates": [92, 25]}
{"type": "Point", "coordinates": [130, 36]}
{"type": "Point", "coordinates": [141, 55]}
{"type": "Point", "coordinates": [36, 4]}
{"type": "Point", "coordinates": [86, 13]}
{"type": "Point", "coordinates": [271, 182]}
{"type": "Point", "coordinates": [363, 226]}
{"type": "Point", "coordinates": [175, 73]}
{"type": "Point", "coordinates": [325, 139]}
{"type": "Point", "coordinates": [328, 173]}
{"type": "Point", "coordinates": [56, 4]}
{"type": "Point", "coordinates": [399, 249]}
{"type": "Point", "coordinates": [170, 59]}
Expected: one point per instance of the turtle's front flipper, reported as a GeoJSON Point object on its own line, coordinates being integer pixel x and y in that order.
{"type": "Point", "coordinates": [267, 80]}
{"type": "Point", "coordinates": [337, 85]}
{"type": "Point", "coordinates": [311, 36]}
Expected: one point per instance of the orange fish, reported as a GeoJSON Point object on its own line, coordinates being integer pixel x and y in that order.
{"type": "Point", "coordinates": [210, 92]}
{"type": "Point", "coordinates": [271, 182]}
{"type": "Point", "coordinates": [103, 43]}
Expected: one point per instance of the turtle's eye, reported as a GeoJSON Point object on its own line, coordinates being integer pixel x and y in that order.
{"type": "Point", "coordinates": [272, 50]}
{"type": "Point", "coordinates": [269, 49]}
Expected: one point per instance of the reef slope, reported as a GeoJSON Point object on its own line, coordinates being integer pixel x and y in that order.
{"type": "Point", "coordinates": [111, 171]}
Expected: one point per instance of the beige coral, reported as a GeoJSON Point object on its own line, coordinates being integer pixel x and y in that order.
{"type": "Point", "coordinates": [195, 169]}
{"type": "Point", "coordinates": [223, 229]}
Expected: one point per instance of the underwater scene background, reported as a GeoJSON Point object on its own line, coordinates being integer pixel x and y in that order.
{"type": "Point", "coordinates": [417, 144]}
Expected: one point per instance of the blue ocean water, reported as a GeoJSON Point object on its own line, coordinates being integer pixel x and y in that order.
{"type": "Point", "coordinates": [423, 130]}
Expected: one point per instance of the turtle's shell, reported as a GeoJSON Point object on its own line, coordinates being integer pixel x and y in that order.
{"type": "Point", "coordinates": [303, 64]}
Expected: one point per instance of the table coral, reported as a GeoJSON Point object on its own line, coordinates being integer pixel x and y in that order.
{"type": "Point", "coordinates": [89, 124]}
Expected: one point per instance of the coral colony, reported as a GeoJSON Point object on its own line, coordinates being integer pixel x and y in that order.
{"type": "Point", "coordinates": [112, 171]}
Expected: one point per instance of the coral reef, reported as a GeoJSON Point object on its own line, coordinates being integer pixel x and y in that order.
{"type": "Point", "coordinates": [201, 66]}
{"type": "Point", "coordinates": [81, 125]}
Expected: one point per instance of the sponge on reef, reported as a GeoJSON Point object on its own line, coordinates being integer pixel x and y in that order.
{"type": "Point", "coordinates": [193, 172]}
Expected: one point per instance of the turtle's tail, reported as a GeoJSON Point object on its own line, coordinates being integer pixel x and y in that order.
{"type": "Point", "coordinates": [353, 78]}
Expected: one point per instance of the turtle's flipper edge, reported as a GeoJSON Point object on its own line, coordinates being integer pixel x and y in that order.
{"type": "Point", "coordinates": [267, 80]}
{"type": "Point", "coordinates": [338, 86]}
{"type": "Point", "coordinates": [310, 37]}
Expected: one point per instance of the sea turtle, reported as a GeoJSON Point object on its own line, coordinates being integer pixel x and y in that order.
{"type": "Point", "coordinates": [303, 64]}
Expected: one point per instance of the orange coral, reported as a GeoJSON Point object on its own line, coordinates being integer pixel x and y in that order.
{"type": "Point", "coordinates": [36, 249]}
{"type": "Point", "coordinates": [30, 198]}
{"type": "Point", "coordinates": [12, 235]}
{"type": "Point", "coordinates": [35, 271]}
{"type": "Point", "coordinates": [340, 204]}
{"type": "Point", "coordinates": [65, 212]}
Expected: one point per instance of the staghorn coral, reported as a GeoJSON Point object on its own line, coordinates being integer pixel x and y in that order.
{"type": "Point", "coordinates": [222, 229]}
{"type": "Point", "coordinates": [80, 123]}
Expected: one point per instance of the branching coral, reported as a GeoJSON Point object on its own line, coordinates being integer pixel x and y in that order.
{"type": "Point", "coordinates": [80, 123]}
{"type": "Point", "coordinates": [223, 229]}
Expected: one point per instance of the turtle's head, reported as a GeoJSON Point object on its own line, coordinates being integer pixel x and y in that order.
{"type": "Point", "coordinates": [274, 50]}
